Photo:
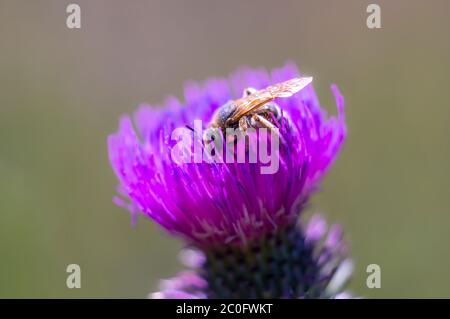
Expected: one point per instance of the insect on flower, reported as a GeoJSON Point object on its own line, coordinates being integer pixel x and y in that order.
{"type": "Point", "coordinates": [242, 225]}
{"type": "Point", "coordinates": [256, 107]}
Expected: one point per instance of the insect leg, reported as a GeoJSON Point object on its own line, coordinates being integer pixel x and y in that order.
{"type": "Point", "coordinates": [243, 123]}
{"type": "Point", "coordinates": [265, 123]}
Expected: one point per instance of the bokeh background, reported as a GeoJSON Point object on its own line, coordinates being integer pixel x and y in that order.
{"type": "Point", "coordinates": [62, 92]}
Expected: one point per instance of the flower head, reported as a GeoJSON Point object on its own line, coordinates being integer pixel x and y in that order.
{"type": "Point", "coordinates": [217, 203]}
{"type": "Point", "coordinates": [243, 225]}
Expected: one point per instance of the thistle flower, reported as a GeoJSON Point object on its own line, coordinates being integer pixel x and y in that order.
{"type": "Point", "coordinates": [243, 227]}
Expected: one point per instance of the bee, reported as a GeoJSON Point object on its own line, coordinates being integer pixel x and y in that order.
{"type": "Point", "coordinates": [257, 108]}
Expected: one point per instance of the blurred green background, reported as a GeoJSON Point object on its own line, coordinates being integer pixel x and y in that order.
{"type": "Point", "coordinates": [62, 92]}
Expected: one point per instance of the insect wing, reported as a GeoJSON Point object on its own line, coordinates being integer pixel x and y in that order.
{"type": "Point", "coordinates": [253, 101]}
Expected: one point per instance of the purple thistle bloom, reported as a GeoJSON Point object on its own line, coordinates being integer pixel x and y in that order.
{"type": "Point", "coordinates": [243, 223]}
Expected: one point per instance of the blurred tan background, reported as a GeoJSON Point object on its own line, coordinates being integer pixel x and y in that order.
{"type": "Point", "coordinates": [62, 92]}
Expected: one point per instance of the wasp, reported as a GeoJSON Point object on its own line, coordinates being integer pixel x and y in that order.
{"type": "Point", "coordinates": [256, 108]}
